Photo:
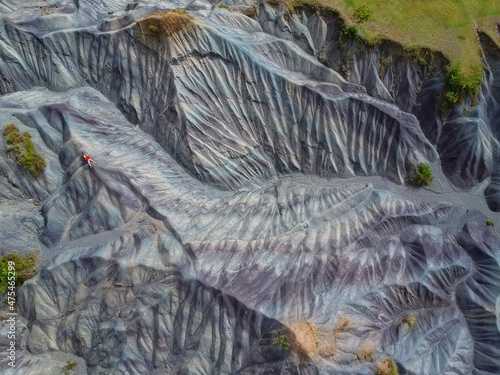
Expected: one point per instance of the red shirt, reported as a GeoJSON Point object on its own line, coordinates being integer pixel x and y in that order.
{"type": "Point", "coordinates": [86, 157]}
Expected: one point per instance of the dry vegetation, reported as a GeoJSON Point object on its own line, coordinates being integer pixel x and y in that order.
{"type": "Point", "coordinates": [306, 337]}
{"type": "Point", "coordinates": [342, 324]}
{"type": "Point", "coordinates": [365, 354]}
{"type": "Point", "coordinates": [387, 367]}
{"type": "Point", "coordinates": [166, 24]}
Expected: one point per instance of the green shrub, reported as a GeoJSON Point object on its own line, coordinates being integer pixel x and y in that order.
{"type": "Point", "coordinates": [282, 342]}
{"type": "Point", "coordinates": [24, 265]}
{"type": "Point", "coordinates": [422, 175]}
{"type": "Point", "coordinates": [24, 150]}
{"type": "Point", "coordinates": [69, 367]}
{"type": "Point", "coordinates": [458, 86]}
{"type": "Point", "coordinates": [362, 14]}
{"type": "Point", "coordinates": [223, 6]}
{"type": "Point", "coordinates": [350, 32]}
{"type": "Point", "coordinates": [410, 320]}
{"type": "Point", "coordinates": [250, 12]}
{"type": "Point", "coordinates": [490, 223]}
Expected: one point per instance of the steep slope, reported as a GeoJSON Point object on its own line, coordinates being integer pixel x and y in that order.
{"type": "Point", "coordinates": [156, 83]}
{"type": "Point", "coordinates": [235, 200]}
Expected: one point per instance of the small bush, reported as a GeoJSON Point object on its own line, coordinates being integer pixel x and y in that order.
{"type": "Point", "coordinates": [250, 12]}
{"type": "Point", "coordinates": [25, 268]}
{"type": "Point", "coordinates": [422, 175]}
{"type": "Point", "coordinates": [458, 86]}
{"type": "Point", "coordinates": [342, 324]}
{"type": "Point", "coordinates": [365, 355]}
{"type": "Point", "coordinates": [490, 223]}
{"type": "Point", "coordinates": [410, 320]}
{"type": "Point", "coordinates": [24, 150]}
{"type": "Point", "coordinates": [223, 6]}
{"type": "Point", "coordinates": [350, 32]}
{"type": "Point", "coordinates": [69, 367]}
{"type": "Point", "coordinates": [282, 342]}
{"type": "Point", "coordinates": [362, 14]}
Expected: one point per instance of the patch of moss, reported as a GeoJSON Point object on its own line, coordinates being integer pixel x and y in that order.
{"type": "Point", "coordinates": [25, 267]}
{"type": "Point", "coordinates": [223, 6]}
{"type": "Point", "coordinates": [421, 175]}
{"type": "Point", "coordinates": [490, 223]}
{"type": "Point", "coordinates": [410, 320]}
{"type": "Point", "coordinates": [24, 150]}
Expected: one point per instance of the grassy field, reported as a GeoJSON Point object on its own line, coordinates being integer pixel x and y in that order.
{"type": "Point", "coordinates": [448, 26]}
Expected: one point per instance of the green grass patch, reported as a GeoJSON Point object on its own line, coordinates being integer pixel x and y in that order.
{"type": "Point", "coordinates": [448, 26]}
{"type": "Point", "coordinates": [24, 150]}
{"type": "Point", "coordinates": [421, 175]}
{"type": "Point", "coordinates": [25, 267]}
{"type": "Point", "coordinates": [490, 223]}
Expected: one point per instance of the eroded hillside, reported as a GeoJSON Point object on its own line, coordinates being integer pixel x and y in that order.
{"type": "Point", "coordinates": [250, 210]}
